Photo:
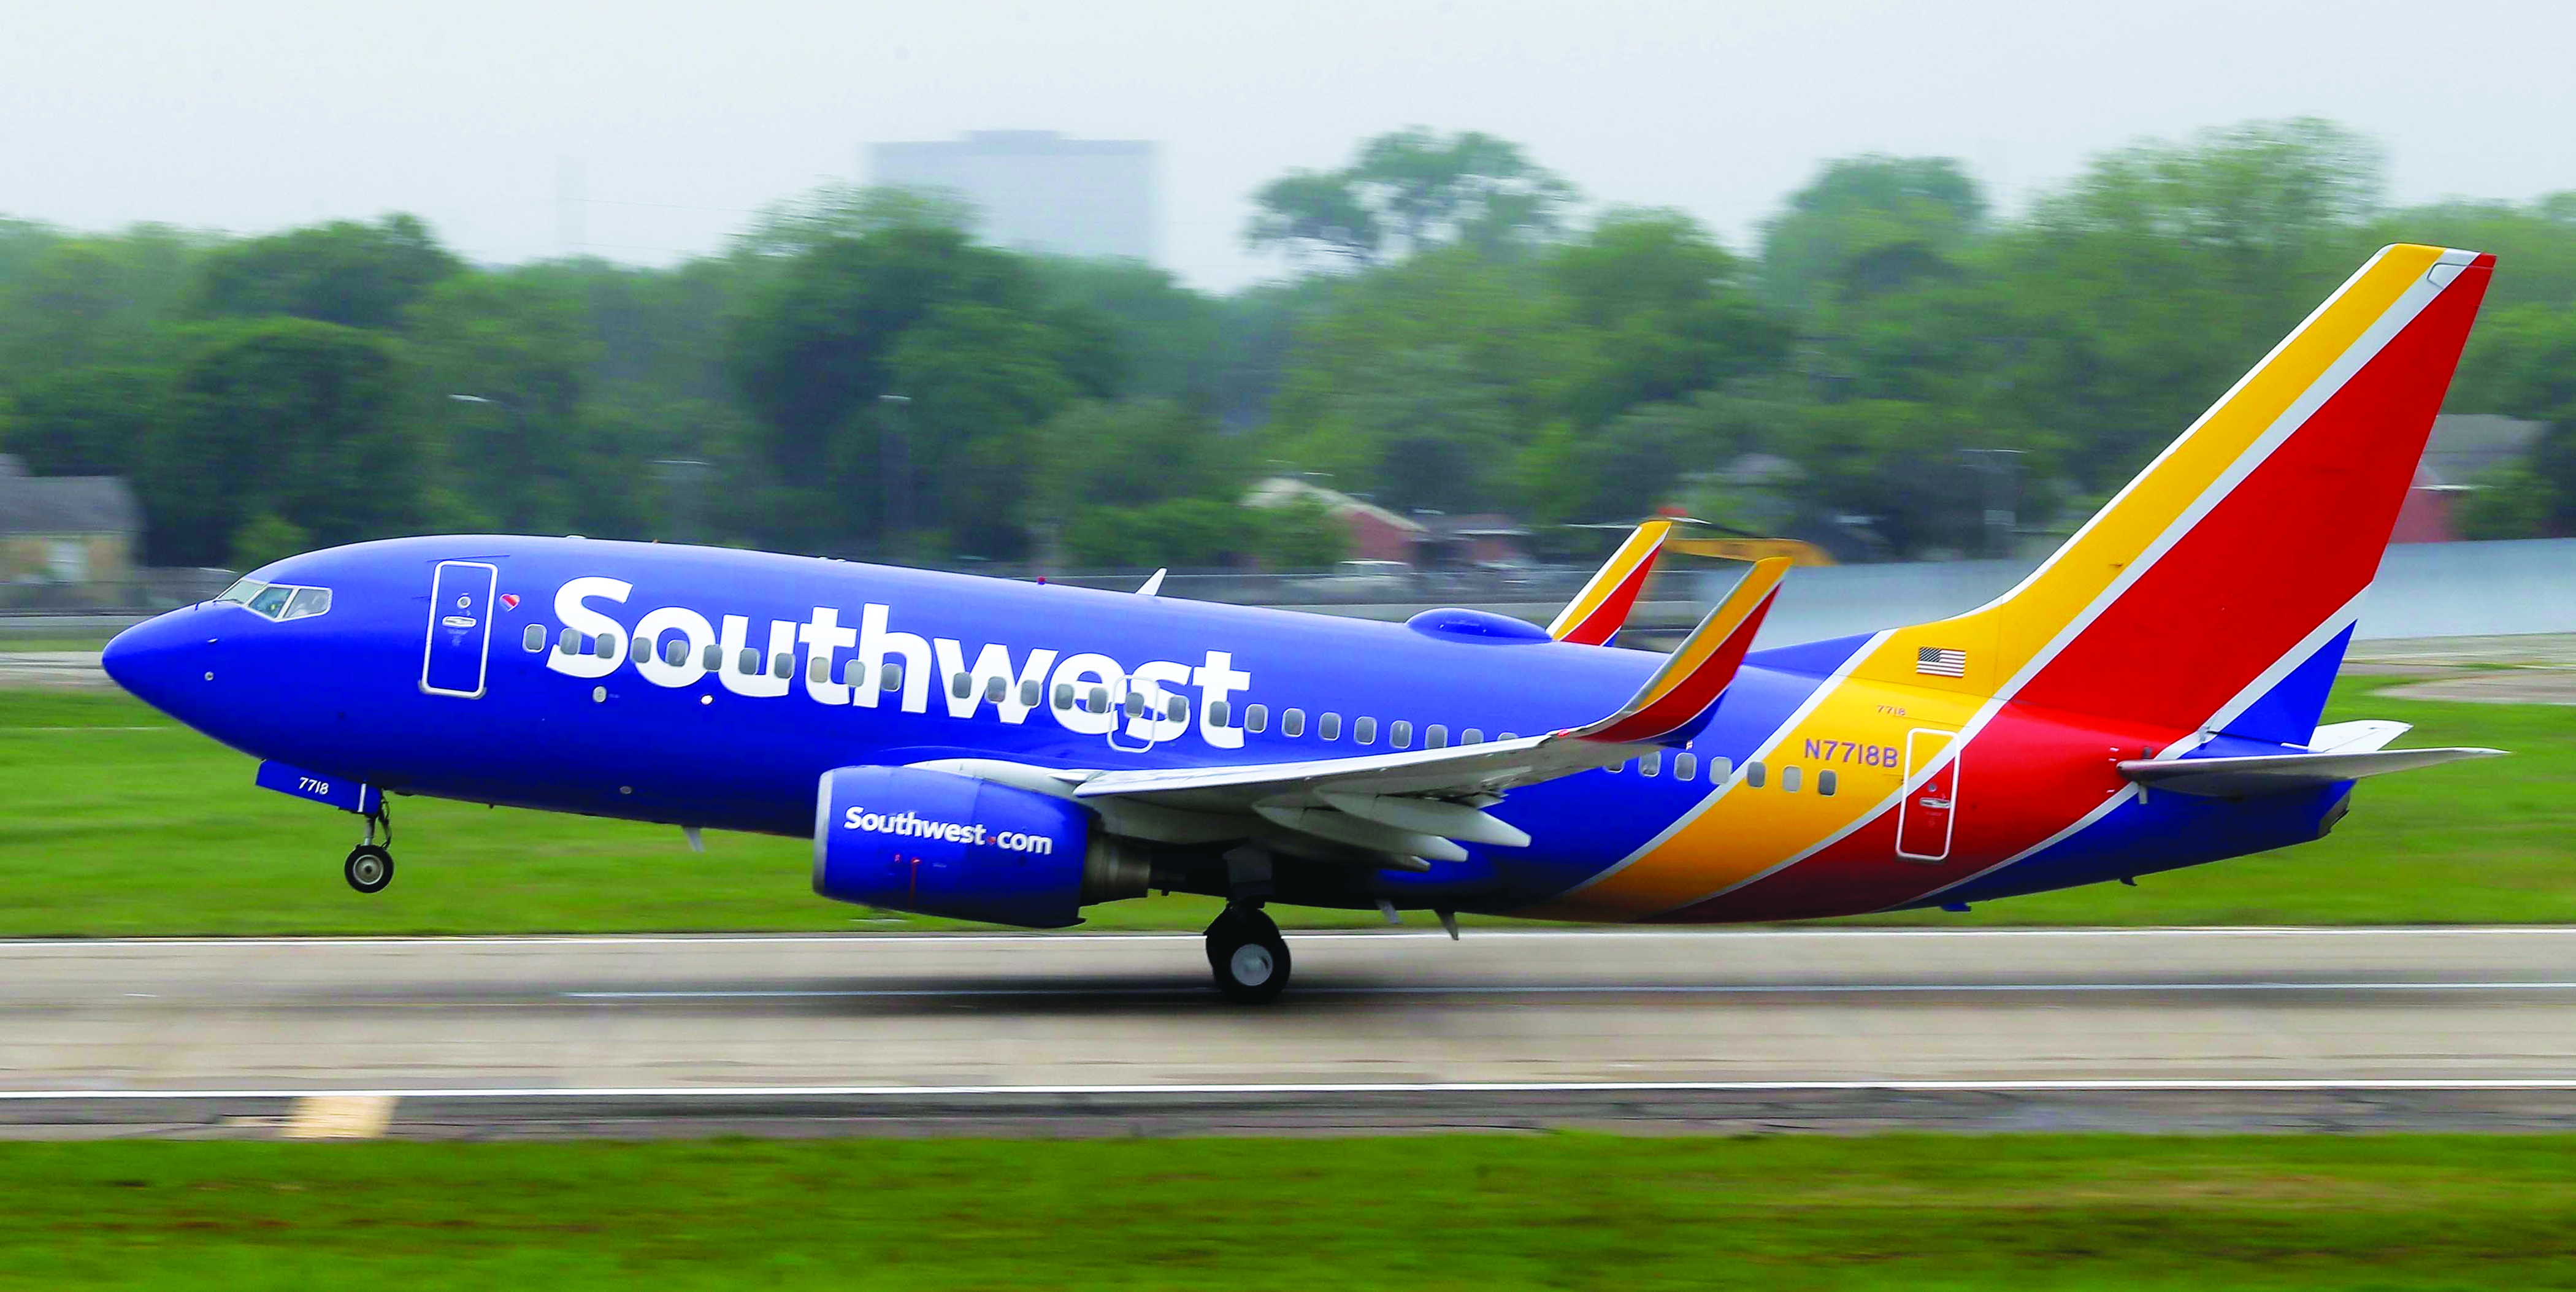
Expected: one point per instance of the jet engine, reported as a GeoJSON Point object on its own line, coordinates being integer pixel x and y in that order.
{"type": "Point", "coordinates": [937, 843]}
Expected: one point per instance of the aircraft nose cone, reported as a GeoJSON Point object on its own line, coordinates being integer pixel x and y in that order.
{"type": "Point", "coordinates": [158, 658]}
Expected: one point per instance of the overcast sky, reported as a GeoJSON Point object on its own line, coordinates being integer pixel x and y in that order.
{"type": "Point", "coordinates": [679, 119]}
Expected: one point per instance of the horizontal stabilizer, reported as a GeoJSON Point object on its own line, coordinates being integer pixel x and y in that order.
{"type": "Point", "coordinates": [2246, 777]}
{"type": "Point", "coordinates": [1679, 694]}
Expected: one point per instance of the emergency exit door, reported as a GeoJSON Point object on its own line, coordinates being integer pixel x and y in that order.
{"type": "Point", "coordinates": [1926, 815]}
{"type": "Point", "coordinates": [460, 629]}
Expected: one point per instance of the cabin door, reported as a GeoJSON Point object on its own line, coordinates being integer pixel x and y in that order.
{"type": "Point", "coordinates": [458, 653]}
{"type": "Point", "coordinates": [1925, 816]}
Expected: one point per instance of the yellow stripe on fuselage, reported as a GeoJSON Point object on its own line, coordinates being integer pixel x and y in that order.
{"type": "Point", "coordinates": [1746, 831]}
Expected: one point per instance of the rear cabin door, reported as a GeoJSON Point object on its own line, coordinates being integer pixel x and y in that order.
{"type": "Point", "coordinates": [1925, 817]}
{"type": "Point", "coordinates": [460, 629]}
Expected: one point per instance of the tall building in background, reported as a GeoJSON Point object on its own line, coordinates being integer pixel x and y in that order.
{"type": "Point", "coordinates": [1036, 189]}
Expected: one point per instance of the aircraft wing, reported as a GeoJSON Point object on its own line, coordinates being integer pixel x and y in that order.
{"type": "Point", "coordinates": [1416, 803]}
{"type": "Point", "coordinates": [1595, 614]}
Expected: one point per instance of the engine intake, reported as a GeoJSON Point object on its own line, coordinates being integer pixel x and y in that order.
{"type": "Point", "coordinates": [937, 843]}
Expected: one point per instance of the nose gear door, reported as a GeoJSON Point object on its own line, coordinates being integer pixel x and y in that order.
{"type": "Point", "coordinates": [1925, 817]}
{"type": "Point", "coordinates": [456, 657]}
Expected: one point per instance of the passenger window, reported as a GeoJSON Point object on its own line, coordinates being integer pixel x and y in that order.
{"type": "Point", "coordinates": [1098, 700]}
{"type": "Point", "coordinates": [309, 602]}
{"type": "Point", "coordinates": [959, 685]}
{"type": "Point", "coordinates": [714, 658]}
{"type": "Point", "coordinates": [675, 651]}
{"type": "Point", "coordinates": [1719, 769]}
{"type": "Point", "coordinates": [1328, 726]}
{"type": "Point", "coordinates": [1435, 736]}
{"type": "Point", "coordinates": [1364, 731]}
{"type": "Point", "coordinates": [1064, 695]}
{"type": "Point", "coordinates": [1471, 736]}
{"type": "Point", "coordinates": [535, 638]}
{"type": "Point", "coordinates": [891, 679]}
{"type": "Point", "coordinates": [1135, 704]}
{"type": "Point", "coordinates": [1753, 774]}
{"type": "Point", "coordinates": [1509, 735]}
{"type": "Point", "coordinates": [1256, 718]}
{"type": "Point", "coordinates": [1176, 708]}
{"type": "Point", "coordinates": [854, 675]}
{"type": "Point", "coordinates": [1399, 733]}
{"type": "Point", "coordinates": [1788, 780]}
{"type": "Point", "coordinates": [748, 662]}
{"type": "Point", "coordinates": [569, 643]}
{"type": "Point", "coordinates": [1029, 693]}
{"type": "Point", "coordinates": [994, 689]}
{"type": "Point", "coordinates": [1825, 782]}
{"type": "Point", "coordinates": [818, 670]}
{"type": "Point", "coordinates": [1292, 722]}
{"type": "Point", "coordinates": [1685, 766]}
{"type": "Point", "coordinates": [1218, 711]}
{"type": "Point", "coordinates": [607, 646]}
{"type": "Point", "coordinates": [1651, 765]}
{"type": "Point", "coordinates": [782, 665]}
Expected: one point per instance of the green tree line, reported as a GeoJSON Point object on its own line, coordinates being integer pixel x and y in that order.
{"type": "Point", "coordinates": [1454, 329]}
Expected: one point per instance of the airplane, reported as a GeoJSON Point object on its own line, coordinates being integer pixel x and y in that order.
{"type": "Point", "coordinates": [1011, 752]}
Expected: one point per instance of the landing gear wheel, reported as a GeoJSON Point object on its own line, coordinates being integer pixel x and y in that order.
{"type": "Point", "coordinates": [1247, 955]}
{"type": "Point", "coordinates": [369, 868]}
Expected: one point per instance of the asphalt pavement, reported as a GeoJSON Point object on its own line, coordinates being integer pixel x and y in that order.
{"type": "Point", "coordinates": [1834, 1029]}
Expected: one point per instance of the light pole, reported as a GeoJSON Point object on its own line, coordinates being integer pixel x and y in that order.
{"type": "Point", "coordinates": [890, 470]}
{"type": "Point", "coordinates": [1996, 464]}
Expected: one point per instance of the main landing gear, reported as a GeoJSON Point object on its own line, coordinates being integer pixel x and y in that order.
{"type": "Point", "coordinates": [371, 865]}
{"type": "Point", "coordinates": [1247, 955]}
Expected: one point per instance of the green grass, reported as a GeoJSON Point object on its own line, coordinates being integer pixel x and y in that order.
{"type": "Point", "coordinates": [106, 831]}
{"type": "Point", "coordinates": [1421, 1214]}
{"type": "Point", "coordinates": [80, 641]}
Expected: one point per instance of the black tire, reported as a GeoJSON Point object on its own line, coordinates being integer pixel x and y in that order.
{"type": "Point", "coordinates": [368, 869]}
{"type": "Point", "coordinates": [1248, 957]}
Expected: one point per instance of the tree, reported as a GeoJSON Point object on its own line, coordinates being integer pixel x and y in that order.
{"type": "Point", "coordinates": [2508, 502]}
{"type": "Point", "coordinates": [286, 418]}
{"type": "Point", "coordinates": [355, 275]}
{"type": "Point", "coordinates": [1667, 311]}
{"type": "Point", "coordinates": [1411, 190]}
{"type": "Point", "coordinates": [787, 230]}
{"type": "Point", "coordinates": [1867, 225]}
{"type": "Point", "coordinates": [1165, 335]}
{"type": "Point", "coordinates": [88, 421]}
{"type": "Point", "coordinates": [496, 378]}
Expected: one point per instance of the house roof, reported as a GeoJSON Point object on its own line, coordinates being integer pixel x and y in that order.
{"type": "Point", "coordinates": [66, 504]}
{"type": "Point", "coordinates": [2466, 445]}
{"type": "Point", "coordinates": [1279, 491]}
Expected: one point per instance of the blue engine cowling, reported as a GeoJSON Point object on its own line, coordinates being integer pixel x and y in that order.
{"type": "Point", "coordinates": [937, 843]}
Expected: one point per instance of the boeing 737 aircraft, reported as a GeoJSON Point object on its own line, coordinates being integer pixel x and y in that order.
{"type": "Point", "coordinates": [1012, 752]}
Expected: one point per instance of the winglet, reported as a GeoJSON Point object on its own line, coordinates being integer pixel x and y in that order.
{"type": "Point", "coordinates": [1597, 611]}
{"type": "Point", "coordinates": [1681, 692]}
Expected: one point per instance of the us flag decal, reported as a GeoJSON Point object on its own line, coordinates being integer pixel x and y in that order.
{"type": "Point", "coordinates": [1941, 663]}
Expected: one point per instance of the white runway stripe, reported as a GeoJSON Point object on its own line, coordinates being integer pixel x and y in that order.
{"type": "Point", "coordinates": [2567, 1082]}
{"type": "Point", "coordinates": [1550, 989]}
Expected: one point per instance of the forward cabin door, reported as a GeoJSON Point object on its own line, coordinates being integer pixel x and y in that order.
{"type": "Point", "coordinates": [456, 658]}
{"type": "Point", "coordinates": [1925, 816]}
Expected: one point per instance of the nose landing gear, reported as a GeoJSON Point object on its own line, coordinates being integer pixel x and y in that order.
{"type": "Point", "coordinates": [371, 865]}
{"type": "Point", "coordinates": [1247, 955]}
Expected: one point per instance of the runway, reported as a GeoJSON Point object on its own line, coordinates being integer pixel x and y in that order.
{"type": "Point", "coordinates": [1052, 1034]}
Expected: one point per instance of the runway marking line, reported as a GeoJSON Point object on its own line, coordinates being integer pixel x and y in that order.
{"type": "Point", "coordinates": [2113, 1085]}
{"type": "Point", "coordinates": [1557, 989]}
{"type": "Point", "coordinates": [1118, 939]}
{"type": "Point", "coordinates": [333, 1116]}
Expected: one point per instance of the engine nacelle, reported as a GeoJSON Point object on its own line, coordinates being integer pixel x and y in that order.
{"type": "Point", "coordinates": [936, 843]}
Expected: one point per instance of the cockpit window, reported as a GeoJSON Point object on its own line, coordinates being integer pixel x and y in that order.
{"type": "Point", "coordinates": [278, 600]}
